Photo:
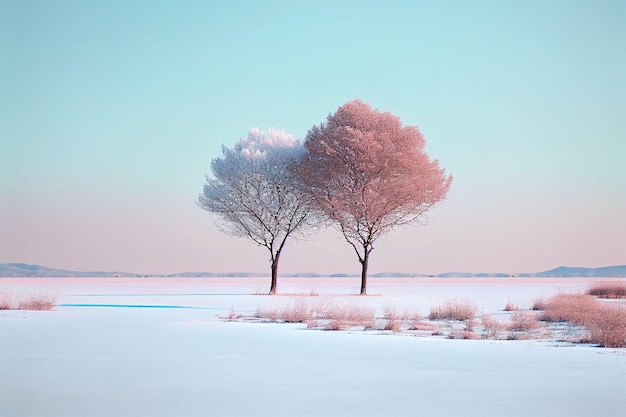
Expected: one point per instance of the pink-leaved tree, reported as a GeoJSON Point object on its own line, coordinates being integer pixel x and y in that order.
{"type": "Point", "coordinates": [369, 174]}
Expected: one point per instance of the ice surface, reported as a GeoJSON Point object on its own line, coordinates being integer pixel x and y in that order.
{"type": "Point", "coordinates": [116, 361]}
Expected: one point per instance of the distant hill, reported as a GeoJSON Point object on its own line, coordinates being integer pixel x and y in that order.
{"type": "Point", "coordinates": [25, 270]}
{"type": "Point", "coordinates": [9, 270]}
{"type": "Point", "coordinates": [472, 275]}
{"type": "Point", "coordinates": [455, 275]}
{"type": "Point", "coordinates": [566, 271]}
{"type": "Point", "coordinates": [207, 274]}
{"type": "Point", "coordinates": [395, 275]}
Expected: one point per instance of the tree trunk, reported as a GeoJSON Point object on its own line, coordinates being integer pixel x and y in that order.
{"type": "Point", "coordinates": [364, 272]}
{"type": "Point", "coordinates": [274, 274]}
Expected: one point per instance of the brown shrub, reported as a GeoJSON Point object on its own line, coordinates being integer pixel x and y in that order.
{"type": "Point", "coordinates": [523, 322]}
{"type": "Point", "coordinates": [37, 301]}
{"type": "Point", "coordinates": [494, 328]}
{"type": "Point", "coordinates": [320, 314]}
{"type": "Point", "coordinates": [32, 301]}
{"type": "Point", "coordinates": [352, 315]}
{"type": "Point", "coordinates": [392, 320]}
{"type": "Point", "coordinates": [569, 307]}
{"type": "Point", "coordinates": [7, 300]}
{"type": "Point", "coordinates": [454, 310]}
{"type": "Point", "coordinates": [299, 312]}
{"type": "Point", "coordinates": [539, 304]}
{"type": "Point", "coordinates": [510, 306]}
{"type": "Point", "coordinates": [311, 293]}
{"type": "Point", "coordinates": [522, 326]}
{"type": "Point", "coordinates": [606, 323]}
{"type": "Point", "coordinates": [607, 326]}
{"type": "Point", "coordinates": [610, 290]}
{"type": "Point", "coordinates": [232, 315]}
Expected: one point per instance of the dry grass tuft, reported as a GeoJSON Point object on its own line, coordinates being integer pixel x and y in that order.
{"type": "Point", "coordinates": [575, 318]}
{"type": "Point", "coordinates": [32, 301]}
{"type": "Point", "coordinates": [351, 315]}
{"type": "Point", "coordinates": [524, 322]}
{"type": "Point", "coordinates": [311, 293]}
{"type": "Point", "coordinates": [494, 328]}
{"type": "Point", "coordinates": [463, 334]}
{"type": "Point", "coordinates": [328, 316]}
{"type": "Point", "coordinates": [454, 310]}
{"type": "Point", "coordinates": [569, 307]}
{"type": "Point", "coordinates": [510, 306]}
{"type": "Point", "coordinates": [521, 326]}
{"type": "Point", "coordinates": [414, 322]}
{"type": "Point", "coordinates": [470, 325]}
{"type": "Point", "coordinates": [606, 322]}
{"type": "Point", "coordinates": [6, 301]}
{"type": "Point", "coordinates": [393, 321]}
{"type": "Point", "coordinates": [300, 312]}
{"type": "Point", "coordinates": [231, 316]}
{"type": "Point", "coordinates": [607, 325]}
{"type": "Point", "coordinates": [610, 290]}
{"type": "Point", "coordinates": [539, 304]}
{"type": "Point", "coordinates": [37, 301]}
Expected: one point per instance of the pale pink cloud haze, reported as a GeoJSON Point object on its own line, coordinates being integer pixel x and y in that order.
{"type": "Point", "coordinates": [145, 235]}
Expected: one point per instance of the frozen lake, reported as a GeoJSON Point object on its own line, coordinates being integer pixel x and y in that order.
{"type": "Point", "coordinates": [154, 347]}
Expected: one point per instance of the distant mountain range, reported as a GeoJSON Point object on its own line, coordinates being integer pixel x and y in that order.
{"type": "Point", "coordinates": [26, 270]}
{"type": "Point", "coordinates": [566, 271]}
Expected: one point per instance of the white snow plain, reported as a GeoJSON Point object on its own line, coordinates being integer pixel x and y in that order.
{"type": "Point", "coordinates": [154, 347]}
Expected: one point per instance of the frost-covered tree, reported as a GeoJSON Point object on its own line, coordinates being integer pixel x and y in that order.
{"type": "Point", "coordinates": [253, 194]}
{"type": "Point", "coordinates": [369, 174]}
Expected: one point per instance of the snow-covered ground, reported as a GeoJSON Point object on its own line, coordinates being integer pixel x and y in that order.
{"type": "Point", "coordinates": [154, 347]}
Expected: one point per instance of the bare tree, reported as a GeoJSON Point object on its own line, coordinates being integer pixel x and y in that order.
{"type": "Point", "coordinates": [255, 195]}
{"type": "Point", "coordinates": [369, 174]}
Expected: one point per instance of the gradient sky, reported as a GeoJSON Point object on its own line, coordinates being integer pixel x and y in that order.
{"type": "Point", "coordinates": [111, 111]}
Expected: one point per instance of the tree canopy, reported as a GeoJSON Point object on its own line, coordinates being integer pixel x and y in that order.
{"type": "Point", "coordinates": [254, 194]}
{"type": "Point", "coordinates": [369, 174]}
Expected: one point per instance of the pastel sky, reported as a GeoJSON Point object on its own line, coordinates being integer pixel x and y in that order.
{"type": "Point", "coordinates": [111, 111]}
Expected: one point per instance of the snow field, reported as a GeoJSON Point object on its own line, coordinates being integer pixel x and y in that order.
{"type": "Point", "coordinates": [155, 361]}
